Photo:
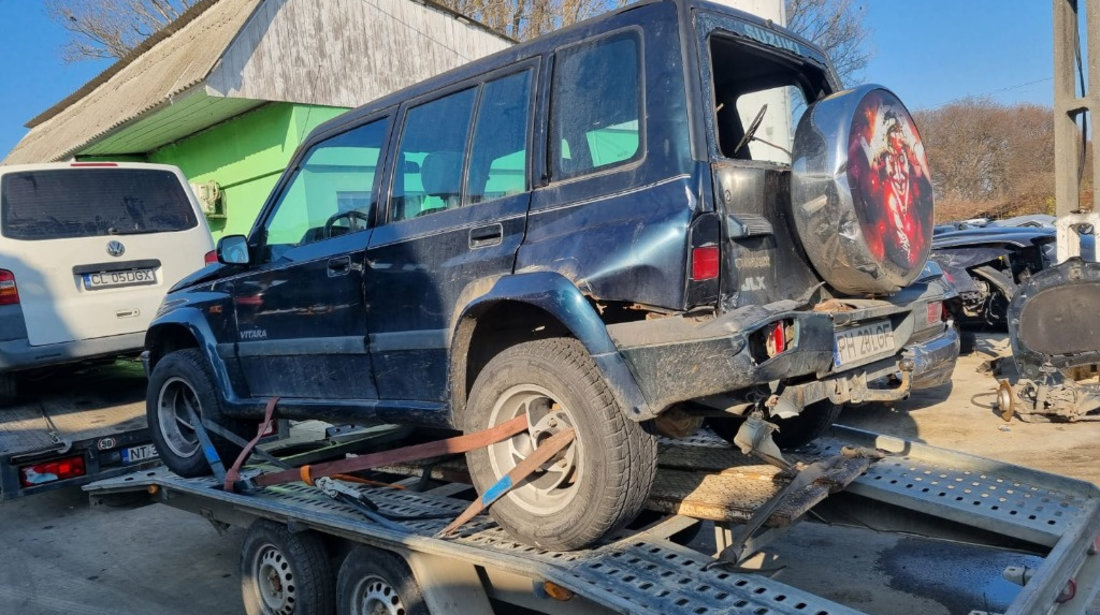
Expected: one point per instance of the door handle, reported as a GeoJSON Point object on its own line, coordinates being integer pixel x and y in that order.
{"type": "Point", "coordinates": [486, 236]}
{"type": "Point", "coordinates": [341, 265]}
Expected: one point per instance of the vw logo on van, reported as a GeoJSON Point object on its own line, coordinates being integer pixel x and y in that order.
{"type": "Point", "coordinates": [115, 248]}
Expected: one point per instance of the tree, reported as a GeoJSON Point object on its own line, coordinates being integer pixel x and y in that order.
{"type": "Point", "coordinates": [988, 159]}
{"type": "Point", "coordinates": [111, 28]}
{"type": "Point", "coordinates": [836, 26]}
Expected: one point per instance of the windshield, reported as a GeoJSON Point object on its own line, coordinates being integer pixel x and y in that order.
{"type": "Point", "coordinates": [63, 203]}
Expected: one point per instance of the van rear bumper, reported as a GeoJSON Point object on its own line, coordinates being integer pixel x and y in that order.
{"type": "Point", "coordinates": [19, 354]}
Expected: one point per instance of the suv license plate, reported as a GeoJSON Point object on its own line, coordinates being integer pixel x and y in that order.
{"type": "Point", "coordinates": [135, 454]}
{"type": "Point", "coordinates": [854, 345]}
{"type": "Point", "coordinates": [112, 279]}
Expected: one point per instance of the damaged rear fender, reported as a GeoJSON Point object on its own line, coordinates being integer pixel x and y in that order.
{"type": "Point", "coordinates": [558, 299]}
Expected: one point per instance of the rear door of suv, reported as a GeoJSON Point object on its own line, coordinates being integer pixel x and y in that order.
{"type": "Point", "coordinates": [458, 200]}
{"type": "Point", "coordinates": [94, 246]}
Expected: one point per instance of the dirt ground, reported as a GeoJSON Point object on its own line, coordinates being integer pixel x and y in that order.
{"type": "Point", "coordinates": [963, 416]}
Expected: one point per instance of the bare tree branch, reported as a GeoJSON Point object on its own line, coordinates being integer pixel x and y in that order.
{"type": "Point", "coordinates": [111, 28]}
{"type": "Point", "coordinates": [836, 26]}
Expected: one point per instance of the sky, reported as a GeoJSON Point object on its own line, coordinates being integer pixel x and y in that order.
{"type": "Point", "coordinates": [929, 52]}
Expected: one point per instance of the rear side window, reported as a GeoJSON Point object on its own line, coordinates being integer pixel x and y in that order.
{"type": "Point", "coordinates": [63, 203]}
{"type": "Point", "coordinates": [596, 105]}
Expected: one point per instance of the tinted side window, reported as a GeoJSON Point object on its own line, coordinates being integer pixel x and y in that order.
{"type": "Point", "coordinates": [330, 194]}
{"type": "Point", "coordinates": [596, 104]}
{"type": "Point", "coordinates": [428, 177]}
{"type": "Point", "coordinates": [61, 203]}
{"type": "Point", "coordinates": [498, 159]}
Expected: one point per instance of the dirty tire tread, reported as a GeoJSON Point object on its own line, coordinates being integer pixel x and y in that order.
{"type": "Point", "coordinates": [364, 560]}
{"type": "Point", "coordinates": [191, 364]}
{"type": "Point", "coordinates": [309, 562]}
{"type": "Point", "coordinates": [632, 453]}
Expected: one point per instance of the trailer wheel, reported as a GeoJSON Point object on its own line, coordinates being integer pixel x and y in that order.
{"type": "Point", "coordinates": [180, 380]}
{"type": "Point", "coordinates": [285, 573]}
{"type": "Point", "coordinates": [813, 421]}
{"type": "Point", "coordinates": [595, 485]}
{"type": "Point", "coordinates": [376, 582]}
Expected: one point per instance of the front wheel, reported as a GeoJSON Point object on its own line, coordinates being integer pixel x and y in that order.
{"type": "Point", "coordinates": [284, 572]}
{"type": "Point", "coordinates": [180, 386]}
{"type": "Point", "coordinates": [597, 484]}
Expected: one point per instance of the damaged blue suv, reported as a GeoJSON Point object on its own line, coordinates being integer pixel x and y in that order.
{"type": "Point", "coordinates": [670, 213]}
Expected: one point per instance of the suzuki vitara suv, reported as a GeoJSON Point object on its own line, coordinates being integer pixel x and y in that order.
{"type": "Point", "coordinates": [671, 208]}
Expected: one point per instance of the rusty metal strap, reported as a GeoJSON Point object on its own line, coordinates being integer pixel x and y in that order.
{"type": "Point", "coordinates": [234, 473]}
{"type": "Point", "coordinates": [450, 446]}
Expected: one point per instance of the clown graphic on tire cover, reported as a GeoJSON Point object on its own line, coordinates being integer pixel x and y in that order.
{"type": "Point", "coordinates": [888, 174]}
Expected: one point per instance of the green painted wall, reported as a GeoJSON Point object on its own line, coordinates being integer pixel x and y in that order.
{"type": "Point", "coordinates": [245, 155]}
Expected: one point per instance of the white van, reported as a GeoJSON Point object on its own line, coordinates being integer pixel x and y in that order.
{"type": "Point", "coordinates": [87, 252]}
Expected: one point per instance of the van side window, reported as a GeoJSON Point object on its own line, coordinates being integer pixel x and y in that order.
{"type": "Point", "coordinates": [596, 104]}
{"type": "Point", "coordinates": [429, 161]}
{"type": "Point", "coordinates": [330, 193]}
{"type": "Point", "coordinates": [498, 159]}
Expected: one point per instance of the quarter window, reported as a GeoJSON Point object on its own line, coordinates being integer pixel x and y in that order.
{"type": "Point", "coordinates": [596, 106]}
{"type": "Point", "coordinates": [330, 194]}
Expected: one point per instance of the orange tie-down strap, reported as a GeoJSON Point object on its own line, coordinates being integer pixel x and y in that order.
{"type": "Point", "coordinates": [450, 446]}
{"type": "Point", "coordinates": [234, 473]}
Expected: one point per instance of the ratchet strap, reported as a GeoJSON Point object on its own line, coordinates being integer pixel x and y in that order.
{"type": "Point", "coordinates": [416, 452]}
{"type": "Point", "coordinates": [545, 451]}
{"type": "Point", "coordinates": [234, 473]}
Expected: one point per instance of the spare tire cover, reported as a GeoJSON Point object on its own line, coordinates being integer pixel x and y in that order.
{"type": "Point", "coordinates": [861, 194]}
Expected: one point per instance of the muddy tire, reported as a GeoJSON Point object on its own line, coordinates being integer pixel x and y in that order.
{"type": "Point", "coordinates": [811, 423]}
{"type": "Point", "coordinates": [284, 573]}
{"type": "Point", "coordinates": [376, 581]}
{"type": "Point", "coordinates": [597, 484]}
{"type": "Point", "coordinates": [179, 380]}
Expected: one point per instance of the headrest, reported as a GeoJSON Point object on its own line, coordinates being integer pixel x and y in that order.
{"type": "Point", "coordinates": [441, 173]}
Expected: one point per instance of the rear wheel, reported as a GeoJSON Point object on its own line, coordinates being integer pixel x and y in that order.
{"type": "Point", "coordinates": [376, 582]}
{"type": "Point", "coordinates": [284, 573]}
{"type": "Point", "coordinates": [182, 384]}
{"type": "Point", "coordinates": [814, 420]}
{"type": "Point", "coordinates": [597, 484]}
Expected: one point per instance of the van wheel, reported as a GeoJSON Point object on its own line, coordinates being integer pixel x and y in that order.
{"type": "Point", "coordinates": [284, 573]}
{"type": "Point", "coordinates": [597, 484]}
{"type": "Point", "coordinates": [9, 389]}
{"type": "Point", "coordinates": [182, 380]}
{"type": "Point", "coordinates": [375, 581]}
{"type": "Point", "coordinates": [814, 420]}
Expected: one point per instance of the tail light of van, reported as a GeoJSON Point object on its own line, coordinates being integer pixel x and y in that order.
{"type": "Point", "coordinates": [210, 257]}
{"type": "Point", "coordinates": [9, 292]}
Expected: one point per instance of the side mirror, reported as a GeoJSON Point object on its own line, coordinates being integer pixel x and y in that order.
{"type": "Point", "coordinates": [233, 250]}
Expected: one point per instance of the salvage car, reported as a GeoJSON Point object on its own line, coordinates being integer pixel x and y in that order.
{"type": "Point", "coordinates": [88, 250]}
{"type": "Point", "coordinates": [673, 208]}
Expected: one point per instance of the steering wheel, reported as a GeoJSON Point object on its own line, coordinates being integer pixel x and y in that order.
{"type": "Point", "coordinates": [352, 215]}
{"type": "Point", "coordinates": [753, 127]}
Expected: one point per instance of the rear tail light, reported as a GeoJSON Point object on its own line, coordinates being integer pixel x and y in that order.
{"type": "Point", "coordinates": [704, 263]}
{"type": "Point", "coordinates": [772, 340]}
{"type": "Point", "coordinates": [51, 471]}
{"type": "Point", "coordinates": [210, 257]}
{"type": "Point", "coordinates": [935, 312]}
{"type": "Point", "coordinates": [9, 292]}
{"type": "Point", "coordinates": [777, 340]}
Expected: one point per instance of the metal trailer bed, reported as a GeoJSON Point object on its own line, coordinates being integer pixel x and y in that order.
{"type": "Point", "coordinates": [916, 488]}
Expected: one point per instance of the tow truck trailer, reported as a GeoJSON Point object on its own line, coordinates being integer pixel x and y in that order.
{"type": "Point", "coordinates": [305, 550]}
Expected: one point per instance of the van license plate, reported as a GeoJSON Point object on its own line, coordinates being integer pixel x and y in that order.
{"type": "Point", "coordinates": [135, 454]}
{"type": "Point", "coordinates": [854, 345]}
{"type": "Point", "coordinates": [113, 279]}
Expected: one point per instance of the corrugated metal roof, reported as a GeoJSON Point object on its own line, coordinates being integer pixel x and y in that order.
{"type": "Point", "coordinates": [159, 70]}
